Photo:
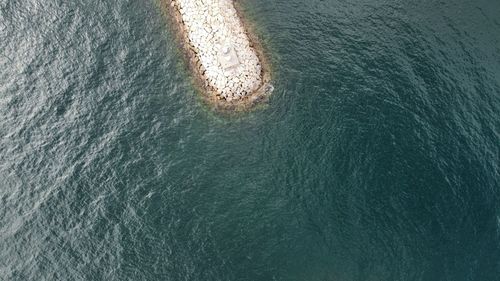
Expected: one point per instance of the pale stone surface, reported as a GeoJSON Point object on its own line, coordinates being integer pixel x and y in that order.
{"type": "Point", "coordinates": [223, 48]}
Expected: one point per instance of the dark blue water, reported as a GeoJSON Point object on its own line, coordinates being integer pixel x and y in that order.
{"type": "Point", "coordinates": [377, 158]}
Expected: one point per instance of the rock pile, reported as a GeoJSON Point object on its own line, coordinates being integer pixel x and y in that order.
{"type": "Point", "coordinates": [229, 64]}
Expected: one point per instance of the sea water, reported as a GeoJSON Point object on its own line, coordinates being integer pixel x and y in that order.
{"type": "Point", "coordinates": [377, 157]}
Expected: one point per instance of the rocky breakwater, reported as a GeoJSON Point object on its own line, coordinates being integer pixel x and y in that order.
{"type": "Point", "coordinates": [221, 50]}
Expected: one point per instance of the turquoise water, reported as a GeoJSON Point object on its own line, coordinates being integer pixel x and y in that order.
{"type": "Point", "coordinates": [377, 157]}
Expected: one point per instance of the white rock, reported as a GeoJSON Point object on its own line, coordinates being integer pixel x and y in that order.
{"type": "Point", "coordinates": [209, 24]}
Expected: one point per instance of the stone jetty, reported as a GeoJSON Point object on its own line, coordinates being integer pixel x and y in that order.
{"type": "Point", "coordinates": [221, 49]}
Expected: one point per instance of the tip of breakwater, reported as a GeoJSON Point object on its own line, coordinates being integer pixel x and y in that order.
{"type": "Point", "coordinates": [225, 56]}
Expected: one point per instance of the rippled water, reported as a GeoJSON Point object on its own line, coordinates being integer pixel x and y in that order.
{"type": "Point", "coordinates": [376, 159]}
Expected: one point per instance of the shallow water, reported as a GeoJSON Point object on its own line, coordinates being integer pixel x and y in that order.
{"type": "Point", "coordinates": [377, 157]}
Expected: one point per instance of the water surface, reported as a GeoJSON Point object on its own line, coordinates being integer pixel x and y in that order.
{"type": "Point", "coordinates": [376, 159]}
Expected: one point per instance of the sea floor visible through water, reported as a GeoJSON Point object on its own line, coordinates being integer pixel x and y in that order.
{"type": "Point", "coordinates": [376, 158]}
